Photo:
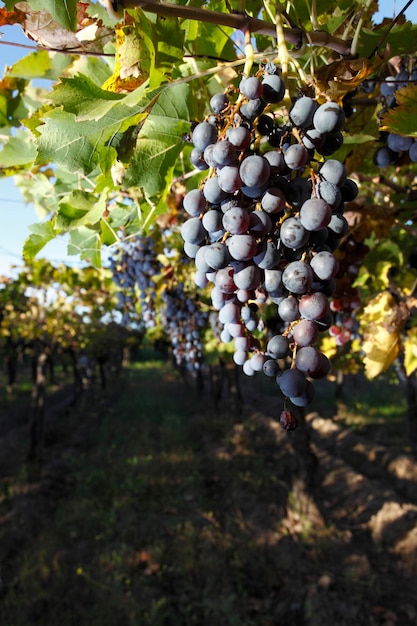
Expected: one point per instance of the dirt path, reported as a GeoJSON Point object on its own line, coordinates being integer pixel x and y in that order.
{"type": "Point", "coordinates": [320, 523]}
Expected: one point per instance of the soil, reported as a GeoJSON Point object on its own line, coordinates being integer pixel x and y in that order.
{"type": "Point", "coordinates": [348, 530]}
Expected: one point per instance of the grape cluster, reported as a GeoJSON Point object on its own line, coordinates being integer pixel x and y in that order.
{"type": "Point", "coordinates": [135, 266]}
{"type": "Point", "coordinates": [395, 146]}
{"type": "Point", "coordinates": [263, 226]}
{"type": "Point", "coordinates": [183, 321]}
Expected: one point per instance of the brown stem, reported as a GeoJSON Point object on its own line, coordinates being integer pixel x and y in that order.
{"type": "Point", "coordinates": [239, 21]}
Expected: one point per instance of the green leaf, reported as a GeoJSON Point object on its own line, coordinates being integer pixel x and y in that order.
{"type": "Point", "coordinates": [63, 11]}
{"type": "Point", "coordinates": [17, 151]}
{"type": "Point", "coordinates": [81, 96]}
{"type": "Point", "coordinates": [41, 234]}
{"type": "Point", "coordinates": [80, 208]}
{"type": "Point", "coordinates": [402, 119]}
{"type": "Point", "coordinates": [160, 141]}
{"type": "Point", "coordinates": [86, 243]}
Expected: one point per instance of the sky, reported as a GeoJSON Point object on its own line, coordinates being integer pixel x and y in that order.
{"type": "Point", "coordinates": [16, 216]}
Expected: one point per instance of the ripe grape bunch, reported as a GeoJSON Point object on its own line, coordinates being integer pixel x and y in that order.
{"type": "Point", "coordinates": [136, 265]}
{"type": "Point", "coordinates": [183, 320]}
{"type": "Point", "coordinates": [264, 224]}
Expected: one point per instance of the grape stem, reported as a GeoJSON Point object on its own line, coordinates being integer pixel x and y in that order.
{"type": "Point", "coordinates": [240, 21]}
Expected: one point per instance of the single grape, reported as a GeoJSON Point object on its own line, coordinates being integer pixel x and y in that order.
{"type": "Point", "coordinates": [273, 88]}
{"type": "Point", "coordinates": [229, 179]}
{"type": "Point", "coordinates": [312, 362]}
{"type": "Point", "coordinates": [333, 171]}
{"type": "Point", "coordinates": [197, 159]}
{"type": "Point", "coordinates": [212, 191]}
{"type": "Point", "coordinates": [315, 214]}
{"type": "Point", "coordinates": [288, 420]}
{"type": "Point", "coordinates": [250, 87]}
{"type": "Point", "coordinates": [288, 309]}
{"type": "Point", "coordinates": [254, 171]}
{"type": "Point", "coordinates": [278, 347]}
{"type": "Point", "coordinates": [194, 202]}
{"type": "Point", "coordinates": [239, 137]}
{"type": "Point", "coordinates": [297, 277]}
{"type": "Point", "coordinates": [292, 382]}
{"type": "Point", "coordinates": [242, 247]}
{"type": "Point", "coordinates": [303, 111]}
{"type": "Point", "coordinates": [324, 265]}
{"type": "Point", "coordinates": [314, 306]}
{"type": "Point", "coordinates": [203, 135]}
{"type": "Point", "coordinates": [293, 234]}
{"type": "Point", "coordinates": [305, 333]}
{"type": "Point", "coordinates": [219, 103]}
{"type": "Point", "coordinates": [273, 200]}
{"type": "Point", "coordinates": [236, 220]}
{"type": "Point", "coordinates": [217, 255]}
{"type": "Point", "coordinates": [329, 118]}
{"type": "Point", "coordinates": [248, 277]}
{"type": "Point", "coordinates": [193, 231]}
{"type": "Point", "coordinates": [224, 153]}
{"type": "Point", "coordinates": [296, 157]}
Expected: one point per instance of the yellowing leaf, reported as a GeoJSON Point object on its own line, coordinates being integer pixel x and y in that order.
{"type": "Point", "coordinates": [381, 322]}
{"type": "Point", "coordinates": [335, 80]}
{"type": "Point", "coordinates": [381, 349]}
{"type": "Point", "coordinates": [410, 351]}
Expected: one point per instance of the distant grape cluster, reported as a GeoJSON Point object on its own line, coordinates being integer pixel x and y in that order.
{"type": "Point", "coordinates": [395, 146]}
{"type": "Point", "coordinates": [135, 266]}
{"type": "Point", "coordinates": [263, 226]}
{"type": "Point", "coordinates": [183, 321]}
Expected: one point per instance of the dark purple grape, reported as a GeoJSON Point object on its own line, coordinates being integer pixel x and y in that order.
{"type": "Point", "coordinates": [278, 347]}
{"type": "Point", "coordinates": [324, 265]}
{"type": "Point", "coordinates": [303, 111]}
{"type": "Point", "coordinates": [297, 277]}
{"type": "Point", "coordinates": [236, 221]}
{"type": "Point", "coordinates": [315, 214]}
{"type": "Point", "coordinates": [239, 137]}
{"type": "Point", "coordinates": [292, 382]}
{"type": "Point", "coordinates": [224, 153]}
{"type": "Point", "coordinates": [197, 159]}
{"type": "Point", "coordinates": [314, 306]}
{"type": "Point", "coordinates": [267, 256]}
{"type": "Point", "coordinates": [219, 103]}
{"type": "Point", "coordinates": [212, 191]}
{"type": "Point", "coordinates": [194, 202]}
{"type": "Point", "coordinates": [305, 333]}
{"type": "Point", "coordinates": [254, 171]}
{"type": "Point", "coordinates": [265, 125]}
{"type": "Point", "coordinates": [312, 362]}
{"type": "Point", "coordinates": [296, 157]}
{"type": "Point", "coordinates": [193, 231]}
{"type": "Point", "coordinates": [288, 309]}
{"type": "Point", "coordinates": [250, 87]}
{"type": "Point", "coordinates": [273, 88]}
{"type": "Point", "coordinates": [273, 200]}
{"type": "Point", "coordinates": [229, 179]}
{"type": "Point", "coordinates": [329, 118]}
{"type": "Point", "coordinates": [203, 135]}
{"type": "Point", "coordinates": [242, 247]}
{"type": "Point", "coordinates": [293, 234]}
{"type": "Point", "coordinates": [333, 171]}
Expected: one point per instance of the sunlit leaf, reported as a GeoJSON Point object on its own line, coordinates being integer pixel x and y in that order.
{"type": "Point", "coordinates": [402, 119]}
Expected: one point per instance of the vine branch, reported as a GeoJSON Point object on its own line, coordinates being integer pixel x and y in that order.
{"type": "Point", "coordinates": [239, 21]}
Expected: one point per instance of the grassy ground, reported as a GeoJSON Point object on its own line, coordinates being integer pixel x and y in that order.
{"type": "Point", "coordinates": [153, 507]}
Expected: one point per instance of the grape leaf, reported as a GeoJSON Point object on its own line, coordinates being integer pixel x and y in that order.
{"type": "Point", "coordinates": [41, 234]}
{"type": "Point", "coordinates": [80, 208]}
{"type": "Point", "coordinates": [381, 322]}
{"type": "Point", "coordinates": [86, 243]}
{"type": "Point", "coordinates": [410, 351]}
{"type": "Point", "coordinates": [160, 141]}
{"type": "Point", "coordinates": [63, 11]}
{"type": "Point", "coordinates": [19, 150]}
{"type": "Point", "coordinates": [402, 119]}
